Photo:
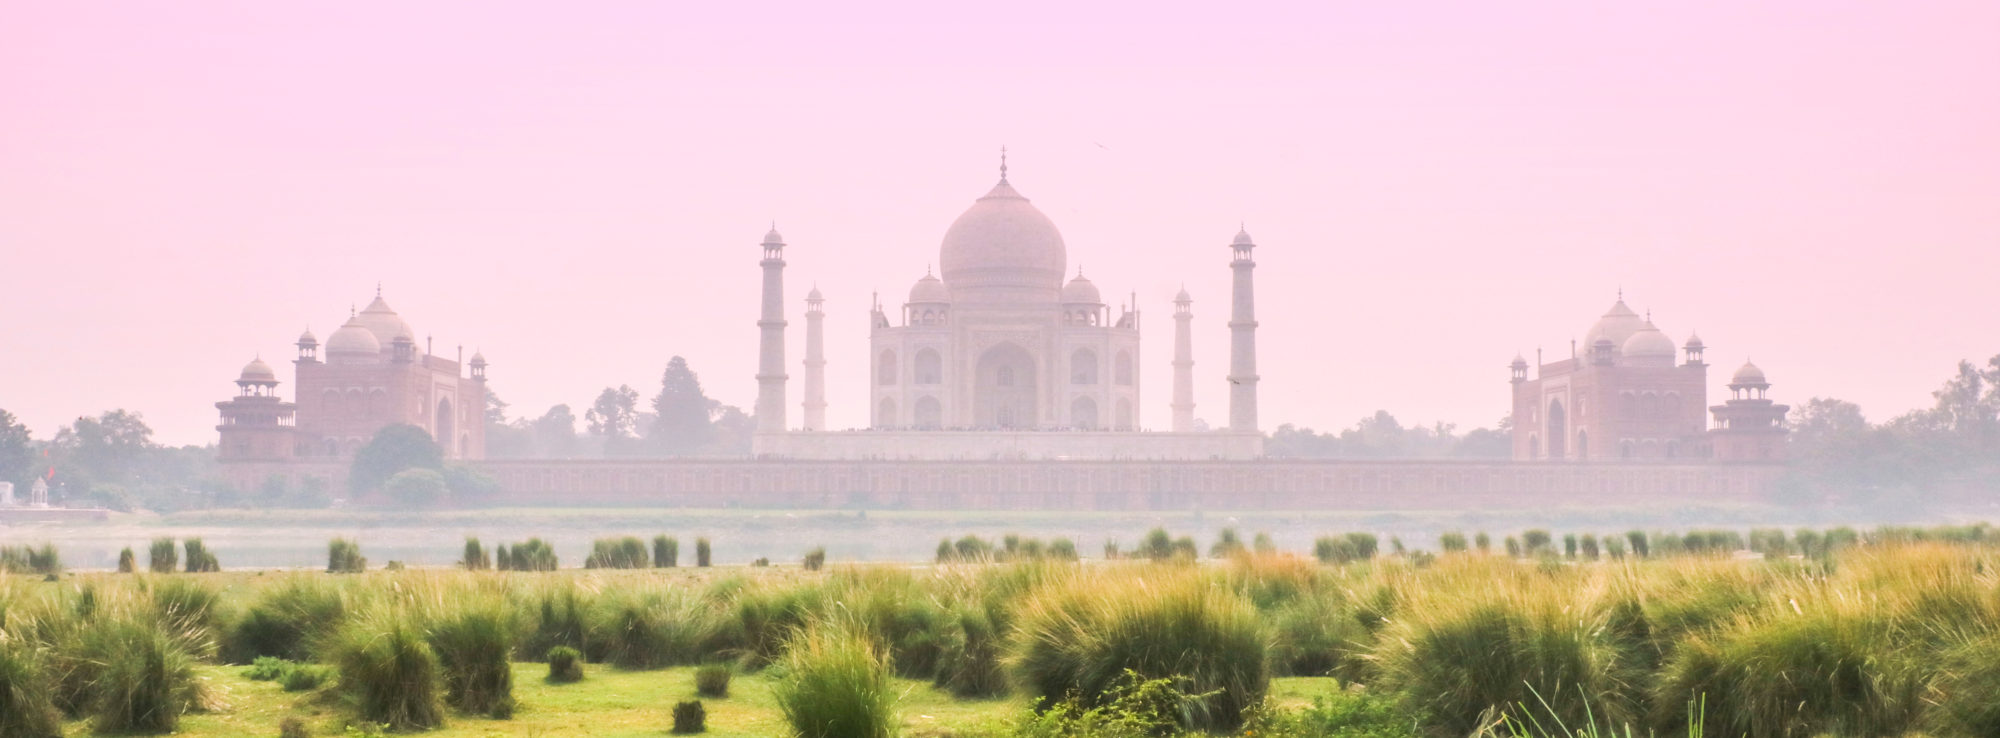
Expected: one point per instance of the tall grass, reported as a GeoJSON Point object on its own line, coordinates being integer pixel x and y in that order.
{"type": "Point", "coordinates": [474, 646]}
{"type": "Point", "coordinates": [650, 629]}
{"type": "Point", "coordinates": [702, 553]}
{"type": "Point", "coordinates": [27, 709]}
{"type": "Point", "coordinates": [617, 553]}
{"type": "Point", "coordinates": [144, 679]}
{"type": "Point", "coordinates": [389, 670]}
{"type": "Point", "coordinates": [163, 557]}
{"type": "Point", "coordinates": [200, 560]}
{"type": "Point", "coordinates": [286, 620]}
{"type": "Point", "coordinates": [475, 557]}
{"type": "Point", "coordinates": [836, 686]}
{"type": "Point", "coordinates": [666, 552]}
{"type": "Point", "coordinates": [1079, 637]}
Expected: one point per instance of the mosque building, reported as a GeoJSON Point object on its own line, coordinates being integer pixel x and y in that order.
{"type": "Point", "coordinates": [1626, 399]}
{"type": "Point", "coordinates": [996, 355]}
{"type": "Point", "coordinates": [373, 374]}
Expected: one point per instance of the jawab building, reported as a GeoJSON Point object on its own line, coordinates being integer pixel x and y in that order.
{"type": "Point", "coordinates": [1006, 381]}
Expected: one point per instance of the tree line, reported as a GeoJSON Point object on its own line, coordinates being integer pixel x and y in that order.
{"type": "Point", "coordinates": [681, 420]}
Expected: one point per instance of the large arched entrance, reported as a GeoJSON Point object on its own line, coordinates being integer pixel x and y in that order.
{"type": "Point", "coordinates": [1558, 429]}
{"type": "Point", "coordinates": [443, 429]}
{"type": "Point", "coordinates": [1004, 389]}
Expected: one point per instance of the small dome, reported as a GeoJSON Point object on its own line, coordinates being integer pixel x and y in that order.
{"type": "Point", "coordinates": [1242, 238]}
{"type": "Point", "coordinates": [308, 339]}
{"type": "Point", "coordinates": [1519, 362]}
{"type": "Point", "coordinates": [1617, 326]}
{"type": "Point", "coordinates": [814, 294]}
{"type": "Point", "coordinates": [1694, 341]}
{"type": "Point", "coordinates": [772, 236]}
{"type": "Point", "coordinates": [257, 371]}
{"type": "Point", "coordinates": [1749, 375]}
{"type": "Point", "coordinates": [1080, 291]}
{"type": "Point", "coordinates": [929, 290]}
{"type": "Point", "coordinates": [1649, 345]}
{"type": "Point", "coordinates": [478, 359]}
{"type": "Point", "coordinates": [353, 340]}
{"type": "Point", "coordinates": [1183, 296]}
{"type": "Point", "coordinates": [379, 319]}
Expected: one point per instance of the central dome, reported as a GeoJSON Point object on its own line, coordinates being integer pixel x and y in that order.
{"type": "Point", "coordinates": [1003, 250]}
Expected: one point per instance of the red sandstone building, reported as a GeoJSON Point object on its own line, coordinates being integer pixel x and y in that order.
{"type": "Point", "coordinates": [1624, 398]}
{"type": "Point", "coordinates": [373, 375]}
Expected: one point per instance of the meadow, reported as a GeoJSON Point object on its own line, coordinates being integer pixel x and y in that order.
{"type": "Point", "coordinates": [1883, 632]}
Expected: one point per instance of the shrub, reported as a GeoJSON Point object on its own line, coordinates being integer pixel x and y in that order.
{"type": "Point", "coordinates": [1227, 544]}
{"type": "Point", "coordinates": [814, 559]}
{"type": "Point", "coordinates": [1569, 546]}
{"type": "Point", "coordinates": [474, 647]}
{"type": "Point", "coordinates": [533, 554]}
{"type": "Point", "coordinates": [1318, 636]}
{"type": "Point", "coordinates": [390, 671]}
{"type": "Point", "coordinates": [303, 677]}
{"type": "Point", "coordinates": [1641, 548]}
{"type": "Point", "coordinates": [285, 620]}
{"type": "Point", "coordinates": [565, 664]}
{"type": "Point", "coordinates": [267, 669]}
{"type": "Point", "coordinates": [836, 686]}
{"type": "Point", "coordinates": [1588, 546]}
{"type": "Point", "coordinates": [563, 621]}
{"type": "Point", "coordinates": [200, 560]}
{"type": "Point", "coordinates": [1614, 547]}
{"type": "Point", "coordinates": [712, 681]}
{"type": "Point", "coordinates": [1453, 656]}
{"type": "Point", "coordinates": [617, 553]}
{"type": "Point", "coordinates": [666, 552]}
{"type": "Point", "coordinates": [502, 560]}
{"type": "Point", "coordinates": [1829, 669]}
{"type": "Point", "coordinates": [1483, 542]}
{"type": "Point", "coordinates": [127, 563]}
{"type": "Point", "coordinates": [1062, 549]}
{"type": "Point", "coordinates": [144, 679]}
{"type": "Point", "coordinates": [475, 558]}
{"type": "Point", "coordinates": [649, 630]}
{"type": "Point", "coordinates": [690, 717]}
{"type": "Point", "coordinates": [164, 557]}
{"type": "Point", "coordinates": [1513, 547]}
{"type": "Point", "coordinates": [702, 553]}
{"type": "Point", "coordinates": [292, 727]}
{"type": "Point", "coordinates": [27, 708]}
{"type": "Point", "coordinates": [1452, 542]}
{"type": "Point", "coordinates": [1132, 708]}
{"type": "Point", "coordinates": [1080, 637]}
{"type": "Point", "coordinates": [1535, 541]}
{"type": "Point", "coordinates": [344, 557]}
{"type": "Point", "coordinates": [971, 660]}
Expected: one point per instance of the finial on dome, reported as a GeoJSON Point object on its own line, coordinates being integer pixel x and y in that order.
{"type": "Point", "coordinates": [350, 310]}
{"type": "Point", "coordinates": [1003, 162]}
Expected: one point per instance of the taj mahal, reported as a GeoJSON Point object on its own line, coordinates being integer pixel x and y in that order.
{"type": "Point", "coordinates": [999, 357]}
{"type": "Point", "coordinates": [1005, 380]}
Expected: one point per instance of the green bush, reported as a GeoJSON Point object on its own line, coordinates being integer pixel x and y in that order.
{"type": "Point", "coordinates": [666, 552]}
{"type": "Point", "coordinates": [712, 680]}
{"type": "Point", "coordinates": [475, 557]}
{"type": "Point", "coordinates": [1080, 637]}
{"type": "Point", "coordinates": [533, 554]}
{"type": "Point", "coordinates": [285, 619]}
{"type": "Point", "coordinates": [1131, 707]}
{"type": "Point", "coordinates": [268, 669]}
{"type": "Point", "coordinates": [1452, 542]}
{"type": "Point", "coordinates": [417, 487]}
{"type": "Point", "coordinates": [303, 677]}
{"type": "Point", "coordinates": [1827, 670]}
{"type": "Point", "coordinates": [389, 671]}
{"type": "Point", "coordinates": [200, 560]}
{"type": "Point", "coordinates": [163, 557]}
{"type": "Point", "coordinates": [617, 553]}
{"type": "Point", "coordinates": [1452, 659]}
{"type": "Point", "coordinates": [127, 563]}
{"type": "Point", "coordinates": [649, 630]}
{"type": "Point", "coordinates": [972, 661]}
{"type": "Point", "coordinates": [344, 557]}
{"type": "Point", "coordinates": [814, 559]}
{"type": "Point", "coordinates": [836, 686]}
{"type": "Point", "coordinates": [474, 648]}
{"type": "Point", "coordinates": [565, 664]}
{"type": "Point", "coordinates": [564, 613]}
{"type": "Point", "coordinates": [144, 679]}
{"type": "Point", "coordinates": [1318, 636]}
{"type": "Point", "coordinates": [690, 717]}
{"type": "Point", "coordinates": [27, 709]}
{"type": "Point", "coordinates": [292, 727]}
{"type": "Point", "coordinates": [702, 553]}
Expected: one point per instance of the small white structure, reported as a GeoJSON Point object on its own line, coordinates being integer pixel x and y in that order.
{"type": "Point", "coordinates": [6, 494]}
{"type": "Point", "coordinates": [38, 495]}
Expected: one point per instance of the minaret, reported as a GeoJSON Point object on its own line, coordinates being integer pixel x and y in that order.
{"type": "Point", "coordinates": [815, 404]}
{"type": "Point", "coordinates": [771, 355]}
{"type": "Point", "coordinates": [1242, 339]}
{"type": "Point", "coordinates": [1183, 364]}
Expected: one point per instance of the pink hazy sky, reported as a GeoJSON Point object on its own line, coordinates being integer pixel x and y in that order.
{"type": "Point", "coordinates": [578, 188]}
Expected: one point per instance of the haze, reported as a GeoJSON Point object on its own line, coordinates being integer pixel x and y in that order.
{"type": "Point", "coordinates": [578, 191]}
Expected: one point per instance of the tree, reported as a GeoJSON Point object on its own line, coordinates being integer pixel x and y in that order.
{"type": "Point", "coordinates": [393, 449]}
{"type": "Point", "coordinates": [555, 433]}
{"type": "Point", "coordinates": [682, 422]}
{"type": "Point", "coordinates": [17, 456]}
{"type": "Point", "coordinates": [417, 487]}
{"type": "Point", "coordinates": [108, 448]}
{"type": "Point", "coordinates": [611, 418]}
